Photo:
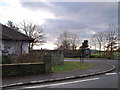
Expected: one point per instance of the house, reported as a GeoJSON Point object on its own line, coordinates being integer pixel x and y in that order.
{"type": "Point", "coordinates": [13, 42]}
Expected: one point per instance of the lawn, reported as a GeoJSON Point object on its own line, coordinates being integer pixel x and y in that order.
{"type": "Point", "coordinates": [71, 65]}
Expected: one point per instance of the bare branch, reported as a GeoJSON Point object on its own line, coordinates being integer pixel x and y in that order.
{"type": "Point", "coordinates": [34, 31]}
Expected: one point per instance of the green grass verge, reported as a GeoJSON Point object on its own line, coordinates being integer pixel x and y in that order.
{"type": "Point", "coordinates": [71, 58]}
{"type": "Point", "coordinates": [87, 58]}
{"type": "Point", "coordinates": [102, 53]}
{"type": "Point", "coordinates": [71, 65]}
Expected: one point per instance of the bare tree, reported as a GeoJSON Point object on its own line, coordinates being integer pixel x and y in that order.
{"type": "Point", "coordinates": [74, 41]}
{"type": "Point", "coordinates": [67, 41]}
{"type": "Point", "coordinates": [34, 31]}
{"type": "Point", "coordinates": [93, 42]}
{"type": "Point", "coordinates": [111, 33]}
{"type": "Point", "coordinates": [112, 38]}
{"type": "Point", "coordinates": [98, 39]}
{"type": "Point", "coordinates": [108, 39]}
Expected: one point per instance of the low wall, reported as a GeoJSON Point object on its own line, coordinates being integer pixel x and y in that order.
{"type": "Point", "coordinates": [22, 69]}
{"type": "Point", "coordinates": [57, 56]}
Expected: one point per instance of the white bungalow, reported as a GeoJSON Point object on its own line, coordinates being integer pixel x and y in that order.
{"type": "Point", "coordinates": [13, 42]}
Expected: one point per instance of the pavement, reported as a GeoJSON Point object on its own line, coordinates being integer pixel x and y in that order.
{"type": "Point", "coordinates": [99, 68]}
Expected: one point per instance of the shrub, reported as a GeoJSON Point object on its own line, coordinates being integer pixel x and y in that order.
{"type": "Point", "coordinates": [92, 56]}
{"type": "Point", "coordinates": [6, 59]}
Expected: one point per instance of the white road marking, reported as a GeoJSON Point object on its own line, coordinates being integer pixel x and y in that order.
{"type": "Point", "coordinates": [60, 83]}
{"type": "Point", "coordinates": [110, 73]}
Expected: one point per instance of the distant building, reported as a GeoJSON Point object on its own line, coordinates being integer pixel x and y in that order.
{"type": "Point", "coordinates": [13, 42]}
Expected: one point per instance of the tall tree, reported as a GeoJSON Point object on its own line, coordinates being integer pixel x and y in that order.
{"type": "Point", "coordinates": [34, 31]}
{"type": "Point", "coordinates": [112, 38]}
{"type": "Point", "coordinates": [74, 41]}
{"type": "Point", "coordinates": [84, 44]}
{"type": "Point", "coordinates": [67, 41]}
{"type": "Point", "coordinates": [99, 39]}
{"type": "Point", "coordinates": [111, 33]}
{"type": "Point", "coordinates": [93, 42]}
{"type": "Point", "coordinates": [108, 38]}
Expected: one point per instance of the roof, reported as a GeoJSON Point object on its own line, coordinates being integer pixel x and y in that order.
{"type": "Point", "coordinates": [11, 34]}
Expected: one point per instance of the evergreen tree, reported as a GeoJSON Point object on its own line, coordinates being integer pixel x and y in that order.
{"type": "Point", "coordinates": [84, 44]}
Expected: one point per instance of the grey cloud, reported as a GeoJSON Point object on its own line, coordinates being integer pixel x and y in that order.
{"type": "Point", "coordinates": [78, 17]}
{"type": "Point", "coordinates": [34, 5]}
{"type": "Point", "coordinates": [92, 12]}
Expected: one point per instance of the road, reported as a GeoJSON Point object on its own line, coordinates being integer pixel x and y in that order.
{"type": "Point", "coordinates": [107, 80]}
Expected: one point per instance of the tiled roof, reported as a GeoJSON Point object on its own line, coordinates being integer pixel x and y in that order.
{"type": "Point", "coordinates": [11, 34]}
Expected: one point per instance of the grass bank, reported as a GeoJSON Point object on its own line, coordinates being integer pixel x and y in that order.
{"type": "Point", "coordinates": [86, 59]}
{"type": "Point", "coordinates": [71, 65]}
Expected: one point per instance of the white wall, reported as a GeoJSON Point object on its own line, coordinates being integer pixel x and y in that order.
{"type": "Point", "coordinates": [15, 47]}
{"type": "Point", "coordinates": [25, 47]}
{"type": "Point", "coordinates": [0, 39]}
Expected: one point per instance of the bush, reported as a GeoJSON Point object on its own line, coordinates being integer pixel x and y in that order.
{"type": "Point", "coordinates": [92, 56]}
{"type": "Point", "coordinates": [6, 59]}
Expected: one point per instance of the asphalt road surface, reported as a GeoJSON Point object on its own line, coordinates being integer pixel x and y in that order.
{"type": "Point", "coordinates": [107, 80]}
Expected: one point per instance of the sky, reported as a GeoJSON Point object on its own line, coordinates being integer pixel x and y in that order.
{"type": "Point", "coordinates": [82, 18]}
